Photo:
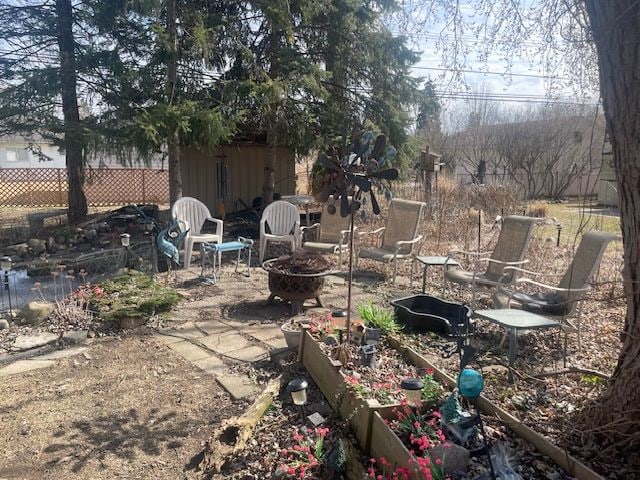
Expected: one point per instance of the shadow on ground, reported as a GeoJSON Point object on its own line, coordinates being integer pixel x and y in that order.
{"type": "Point", "coordinates": [122, 436]}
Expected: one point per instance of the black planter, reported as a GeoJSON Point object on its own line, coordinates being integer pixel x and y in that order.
{"type": "Point", "coordinates": [424, 313]}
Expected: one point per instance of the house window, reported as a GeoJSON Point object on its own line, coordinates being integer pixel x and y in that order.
{"type": "Point", "coordinates": [15, 154]}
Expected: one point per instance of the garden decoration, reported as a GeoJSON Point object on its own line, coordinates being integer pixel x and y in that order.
{"type": "Point", "coordinates": [355, 175]}
{"type": "Point", "coordinates": [335, 462]}
{"type": "Point", "coordinates": [368, 353]}
{"type": "Point", "coordinates": [168, 240]}
{"type": "Point", "coordinates": [470, 385]}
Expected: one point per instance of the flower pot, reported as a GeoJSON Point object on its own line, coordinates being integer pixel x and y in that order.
{"type": "Point", "coordinates": [291, 333]}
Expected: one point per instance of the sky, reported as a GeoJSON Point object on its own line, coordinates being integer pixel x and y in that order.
{"type": "Point", "coordinates": [515, 76]}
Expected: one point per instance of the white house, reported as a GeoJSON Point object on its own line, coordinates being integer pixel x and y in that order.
{"type": "Point", "coordinates": [18, 152]}
{"type": "Point", "coordinates": [36, 152]}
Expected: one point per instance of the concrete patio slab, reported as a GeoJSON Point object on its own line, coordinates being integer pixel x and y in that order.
{"type": "Point", "coordinates": [239, 387]}
{"type": "Point", "coordinates": [189, 351]}
{"type": "Point", "coordinates": [22, 366]}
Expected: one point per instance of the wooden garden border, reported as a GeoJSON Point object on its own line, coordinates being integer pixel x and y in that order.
{"type": "Point", "coordinates": [331, 382]}
{"type": "Point", "coordinates": [566, 461]}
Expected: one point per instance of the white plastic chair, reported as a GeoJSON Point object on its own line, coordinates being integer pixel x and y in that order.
{"type": "Point", "coordinates": [191, 214]}
{"type": "Point", "coordinates": [283, 222]}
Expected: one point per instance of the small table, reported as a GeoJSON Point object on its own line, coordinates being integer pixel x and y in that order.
{"type": "Point", "coordinates": [304, 201]}
{"type": "Point", "coordinates": [437, 261]}
{"type": "Point", "coordinates": [216, 249]}
{"type": "Point", "coordinates": [514, 320]}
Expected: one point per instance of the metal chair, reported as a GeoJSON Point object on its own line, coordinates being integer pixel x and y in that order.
{"type": "Point", "coordinates": [332, 233]}
{"type": "Point", "coordinates": [561, 301]}
{"type": "Point", "coordinates": [509, 251]}
{"type": "Point", "coordinates": [280, 222]}
{"type": "Point", "coordinates": [399, 236]}
{"type": "Point", "coordinates": [191, 215]}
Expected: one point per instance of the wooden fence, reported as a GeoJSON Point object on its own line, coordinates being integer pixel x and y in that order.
{"type": "Point", "coordinates": [47, 187]}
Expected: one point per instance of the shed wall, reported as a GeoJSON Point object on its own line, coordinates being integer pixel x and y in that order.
{"type": "Point", "coordinates": [245, 174]}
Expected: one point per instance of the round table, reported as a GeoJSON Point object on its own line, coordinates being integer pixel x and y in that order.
{"type": "Point", "coordinates": [304, 201]}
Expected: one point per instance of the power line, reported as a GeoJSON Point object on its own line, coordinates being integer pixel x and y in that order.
{"type": "Point", "coordinates": [505, 74]}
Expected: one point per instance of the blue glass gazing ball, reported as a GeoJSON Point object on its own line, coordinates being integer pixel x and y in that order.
{"type": "Point", "coordinates": [470, 383]}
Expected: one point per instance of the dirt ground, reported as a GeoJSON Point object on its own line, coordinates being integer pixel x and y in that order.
{"type": "Point", "coordinates": [126, 408]}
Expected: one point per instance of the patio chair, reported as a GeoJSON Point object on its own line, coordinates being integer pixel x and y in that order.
{"type": "Point", "coordinates": [561, 301]}
{"type": "Point", "coordinates": [191, 215]}
{"type": "Point", "coordinates": [399, 236]}
{"type": "Point", "coordinates": [280, 222]}
{"type": "Point", "coordinates": [509, 251]}
{"type": "Point", "coordinates": [332, 233]}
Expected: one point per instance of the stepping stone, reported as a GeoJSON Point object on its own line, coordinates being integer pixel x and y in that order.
{"type": "Point", "coordinates": [214, 327]}
{"type": "Point", "coordinates": [211, 364]}
{"type": "Point", "coordinates": [248, 354]}
{"type": "Point", "coordinates": [238, 386]}
{"type": "Point", "coordinates": [67, 352]}
{"type": "Point", "coordinates": [27, 342]}
{"type": "Point", "coordinates": [265, 332]}
{"type": "Point", "coordinates": [189, 351]}
{"type": "Point", "coordinates": [22, 366]}
{"type": "Point", "coordinates": [169, 336]}
{"type": "Point", "coordinates": [225, 343]}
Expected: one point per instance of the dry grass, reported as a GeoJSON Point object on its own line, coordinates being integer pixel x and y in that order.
{"type": "Point", "coordinates": [127, 409]}
{"type": "Point", "coordinates": [538, 209]}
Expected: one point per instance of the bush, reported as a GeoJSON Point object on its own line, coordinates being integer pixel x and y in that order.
{"type": "Point", "coordinates": [538, 209]}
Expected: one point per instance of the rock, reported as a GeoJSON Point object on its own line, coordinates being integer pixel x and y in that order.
{"type": "Point", "coordinates": [34, 313]}
{"type": "Point", "coordinates": [454, 457]}
{"type": "Point", "coordinates": [37, 246]}
{"type": "Point", "coordinates": [74, 337]}
{"type": "Point", "coordinates": [27, 342]}
{"type": "Point", "coordinates": [61, 239]}
{"type": "Point", "coordinates": [4, 324]}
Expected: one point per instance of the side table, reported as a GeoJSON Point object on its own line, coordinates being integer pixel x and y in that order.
{"type": "Point", "coordinates": [514, 320]}
{"type": "Point", "coordinates": [215, 249]}
{"type": "Point", "coordinates": [438, 261]}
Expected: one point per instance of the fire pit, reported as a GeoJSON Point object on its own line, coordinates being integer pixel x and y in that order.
{"type": "Point", "coordinates": [297, 278]}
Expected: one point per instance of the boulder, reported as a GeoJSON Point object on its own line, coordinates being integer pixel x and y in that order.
{"type": "Point", "coordinates": [4, 324]}
{"type": "Point", "coordinates": [34, 313]}
{"type": "Point", "coordinates": [36, 340]}
{"type": "Point", "coordinates": [454, 457]}
{"type": "Point", "coordinates": [61, 239]}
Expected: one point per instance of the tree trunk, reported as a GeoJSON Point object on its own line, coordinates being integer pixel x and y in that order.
{"type": "Point", "coordinates": [173, 140]}
{"type": "Point", "coordinates": [73, 136]}
{"type": "Point", "coordinates": [614, 24]}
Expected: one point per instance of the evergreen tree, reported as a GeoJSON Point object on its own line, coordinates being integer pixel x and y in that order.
{"type": "Point", "coordinates": [42, 68]}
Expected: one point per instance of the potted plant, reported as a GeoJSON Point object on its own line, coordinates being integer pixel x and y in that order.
{"type": "Point", "coordinates": [377, 320]}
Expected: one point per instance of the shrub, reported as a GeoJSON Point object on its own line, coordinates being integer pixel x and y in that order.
{"type": "Point", "coordinates": [538, 209]}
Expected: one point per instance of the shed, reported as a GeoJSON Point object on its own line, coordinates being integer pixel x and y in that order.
{"type": "Point", "coordinates": [235, 174]}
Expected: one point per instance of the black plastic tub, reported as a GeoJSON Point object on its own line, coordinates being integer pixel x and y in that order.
{"type": "Point", "coordinates": [424, 313]}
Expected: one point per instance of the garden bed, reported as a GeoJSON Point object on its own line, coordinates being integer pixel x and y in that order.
{"type": "Point", "coordinates": [561, 457]}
